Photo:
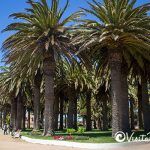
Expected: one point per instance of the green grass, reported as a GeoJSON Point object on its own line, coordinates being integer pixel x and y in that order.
{"type": "Point", "coordinates": [27, 134]}
{"type": "Point", "coordinates": [94, 136]}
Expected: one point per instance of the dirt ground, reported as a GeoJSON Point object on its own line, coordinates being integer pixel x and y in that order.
{"type": "Point", "coordinates": [8, 143]}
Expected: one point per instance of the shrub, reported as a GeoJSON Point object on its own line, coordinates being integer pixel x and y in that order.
{"type": "Point", "coordinates": [81, 130]}
{"type": "Point", "coordinates": [71, 131]}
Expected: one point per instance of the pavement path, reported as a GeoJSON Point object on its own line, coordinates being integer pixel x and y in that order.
{"type": "Point", "coordinates": [8, 143]}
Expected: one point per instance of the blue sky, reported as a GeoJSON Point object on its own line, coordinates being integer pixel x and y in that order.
{"type": "Point", "coordinates": [8, 7]}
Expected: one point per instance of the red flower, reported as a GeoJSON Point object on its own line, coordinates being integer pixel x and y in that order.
{"type": "Point", "coordinates": [58, 137]}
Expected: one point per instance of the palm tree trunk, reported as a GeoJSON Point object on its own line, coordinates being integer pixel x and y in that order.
{"type": "Point", "coordinates": [119, 95]}
{"type": "Point", "coordinates": [84, 121]}
{"type": "Point", "coordinates": [61, 112]}
{"type": "Point", "coordinates": [98, 124]}
{"type": "Point", "coordinates": [140, 117]}
{"type": "Point", "coordinates": [24, 118]}
{"type": "Point", "coordinates": [132, 114]}
{"type": "Point", "coordinates": [145, 104]}
{"type": "Point", "coordinates": [65, 120]}
{"type": "Point", "coordinates": [94, 122]}
{"type": "Point", "coordinates": [49, 71]}
{"type": "Point", "coordinates": [4, 115]}
{"type": "Point", "coordinates": [1, 125]}
{"type": "Point", "coordinates": [19, 111]}
{"type": "Point", "coordinates": [56, 112]}
{"type": "Point", "coordinates": [105, 114]}
{"type": "Point", "coordinates": [42, 117]}
{"type": "Point", "coordinates": [75, 115]}
{"type": "Point", "coordinates": [124, 108]}
{"type": "Point", "coordinates": [88, 111]}
{"type": "Point", "coordinates": [70, 118]}
{"type": "Point", "coordinates": [36, 101]}
{"type": "Point", "coordinates": [28, 125]}
{"type": "Point", "coordinates": [13, 113]}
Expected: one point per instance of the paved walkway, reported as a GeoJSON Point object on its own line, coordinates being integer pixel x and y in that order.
{"type": "Point", "coordinates": [8, 143]}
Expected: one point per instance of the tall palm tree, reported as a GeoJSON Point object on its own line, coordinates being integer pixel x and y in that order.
{"type": "Point", "coordinates": [141, 74]}
{"type": "Point", "coordinates": [66, 77]}
{"type": "Point", "coordinates": [40, 36]}
{"type": "Point", "coordinates": [9, 90]}
{"type": "Point", "coordinates": [145, 96]}
{"type": "Point", "coordinates": [5, 83]}
{"type": "Point", "coordinates": [123, 30]}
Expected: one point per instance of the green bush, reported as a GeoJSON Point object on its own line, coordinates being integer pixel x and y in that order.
{"type": "Point", "coordinates": [81, 130]}
{"type": "Point", "coordinates": [71, 131]}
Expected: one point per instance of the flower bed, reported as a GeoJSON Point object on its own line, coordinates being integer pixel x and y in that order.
{"type": "Point", "coordinates": [69, 137]}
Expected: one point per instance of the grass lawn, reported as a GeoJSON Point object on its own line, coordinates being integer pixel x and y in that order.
{"type": "Point", "coordinates": [88, 137]}
{"type": "Point", "coordinates": [94, 136]}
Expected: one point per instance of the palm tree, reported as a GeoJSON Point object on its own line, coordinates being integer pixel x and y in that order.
{"type": "Point", "coordinates": [145, 96]}
{"type": "Point", "coordinates": [5, 84]}
{"type": "Point", "coordinates": [133, 100]}
{"type": "Point", "coordinates": [73, 77]}
{"type": "Point", "coordinates": [66, 78]}
{"type": "Point", "coordinates": [141, 74]}
{"type": "Point", "coordinates": [40, 36]}
{"type": "Point", "coordinates": [14, 89]}
{"type": "Point", "coordinates": [123, 30]}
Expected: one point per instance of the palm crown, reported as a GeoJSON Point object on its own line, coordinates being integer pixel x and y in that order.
{"type": "Point", "coordinates": [41, 30]}
{"type": "Point", "coordinates": [119, 27]}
